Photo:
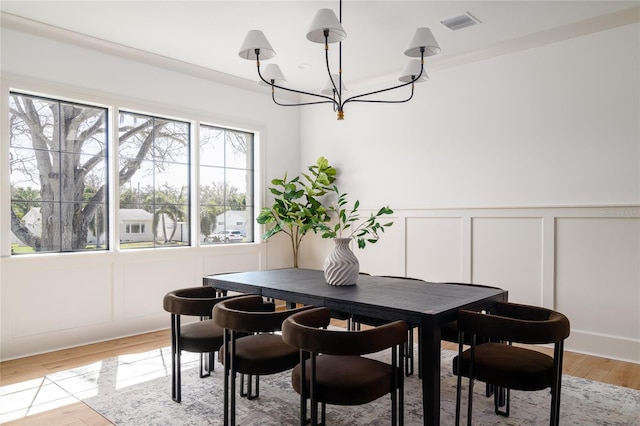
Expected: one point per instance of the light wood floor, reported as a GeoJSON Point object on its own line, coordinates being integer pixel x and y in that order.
{"type": "Point", "coordinates": [20, 370]}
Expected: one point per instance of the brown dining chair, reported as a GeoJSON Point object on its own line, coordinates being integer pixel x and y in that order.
{"type": "Point", "coordinates": [203, 337]}
{"type": "Point", "coordinates": [449, 333]}
{"type": "Point", "coordinates": [496, 361]}
{"type": "Point", "coordinates": [251, 345]}
{"type": "Point", "coordinates": [332, 369]}
{"type": "Point", "coordinates": [450, 329]}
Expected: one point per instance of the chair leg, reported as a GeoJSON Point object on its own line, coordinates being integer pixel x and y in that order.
{"type": "Point", "coordinates": [205, 363]}
{"type": "Point", "coordinates": [470, 402]}
{"type": "Point", "coordinates": [226, 391]}
{"type": "Point", "coordinates": [401, 392]}
{"type": "Point", "coordinates": [175, 359]}
{"type": "Point", "coordinates": [249, 392]}
{"type": "Point", "coordinates": [419, 354]}
{"type": "Point", "coordinates": [394, 407]}
{"type": "Point", "coordinates": [557, 384]}
{"type": "Point", "coordinates": [500, 394]}
{"type": "Point", "coordinates": [228, 376]}
{"type": "Point", "coordinates": [408, 365]}
{"type": "Point", "coordinates": [459, 379]}
{"type": "Point", "coordinates": [488, 390]}
{"type": "Point", "coordinates": [500, 400]}
{"type": "Point", "coordinates": [232, 398]}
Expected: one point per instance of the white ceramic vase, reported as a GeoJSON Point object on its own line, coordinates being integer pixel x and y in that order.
{"type": "Point", "coordinates": [341, 267]}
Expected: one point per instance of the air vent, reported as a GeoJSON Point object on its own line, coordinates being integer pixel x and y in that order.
{"type": "Point", "coordinates": [458, 22]}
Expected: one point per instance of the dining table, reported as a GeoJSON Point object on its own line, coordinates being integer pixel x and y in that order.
{"type": "Point", "coordinates": [422, 304]}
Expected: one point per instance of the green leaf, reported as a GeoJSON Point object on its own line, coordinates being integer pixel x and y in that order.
{"type": "Point", "coordinates": [322, 163]}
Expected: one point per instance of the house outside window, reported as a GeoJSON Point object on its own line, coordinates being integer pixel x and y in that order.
{"type": "Point", "coordinates": [154, 181]}
{"type": "Point", "coordinates": [226, 185]}
{"type": "Point", "coordinates": [58, 175]}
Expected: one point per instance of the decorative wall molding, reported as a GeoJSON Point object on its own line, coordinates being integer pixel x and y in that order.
{"type": "Point", "coordinates": [583, 261]}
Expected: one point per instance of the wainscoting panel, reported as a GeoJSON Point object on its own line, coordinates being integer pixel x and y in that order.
{"type": "Point", "coordinates": [222, 261]}
{"type": "Point", "coordinates": [435, 248]}
{"type": "Point", "coordinates": [507, 253]}
{"type": "Point", "coordinates": [139, 298]}
{"type": "Point", "coordinates": [59, 295]}
{"type": "Point", "coordinates": [597, 279]}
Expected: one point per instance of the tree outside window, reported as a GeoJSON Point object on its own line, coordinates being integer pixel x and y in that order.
{"type": "Point", "coordinates": [58, 175]}
{"type": "Point", "coordinates": [59, 179]}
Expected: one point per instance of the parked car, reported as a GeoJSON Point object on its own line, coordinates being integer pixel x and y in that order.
{"type": "Point", "coordinates": [225, 237]}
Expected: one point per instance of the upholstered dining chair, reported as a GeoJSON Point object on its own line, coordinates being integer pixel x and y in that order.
{"type": "Point", "coordinates": [449, 333]}
{"type": "Point", "coordinates": [251, 345]}
{"type": "Point", "coordinates": [450, 329]}
{"type": "Point", "coordinates": [357, 320]}
{"type": "Point", "coordinates": [203, 337]}
{"type": "Point", "coordinates": [332, 369]}
{"type": "Point", "coordinates": [498, 362]}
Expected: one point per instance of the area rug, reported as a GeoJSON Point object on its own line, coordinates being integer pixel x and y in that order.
{"type": "Point", "coordinates": [135, 390]}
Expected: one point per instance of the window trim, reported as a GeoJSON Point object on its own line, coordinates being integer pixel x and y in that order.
{"type": "Point", "coordinates": [113, 102]}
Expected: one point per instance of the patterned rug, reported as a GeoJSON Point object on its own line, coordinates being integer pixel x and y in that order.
{"type": "Point", "coordinates": [135, 390]}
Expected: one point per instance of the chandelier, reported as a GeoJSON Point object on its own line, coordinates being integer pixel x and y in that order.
{"type": "Point", "coordinates": [327, 28]}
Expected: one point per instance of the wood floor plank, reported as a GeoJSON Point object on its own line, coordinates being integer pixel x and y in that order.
{"type": "Point", "coordinates": [78, 414]}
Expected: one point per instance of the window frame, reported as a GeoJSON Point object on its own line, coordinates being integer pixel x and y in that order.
{"type": "Point", "coordinates": [104, 206]}
{"type": "Point", "coordinates": [113, 105]}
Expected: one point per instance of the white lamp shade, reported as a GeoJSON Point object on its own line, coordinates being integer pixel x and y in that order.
{"type": "Point", "coordinates": [255, 39]}
{"type": "Point", "coordinates": [411, 70]}
{"type": "Point", "coordinates": [327, 87]}
{"type": "Point", "coordinates": [326, 19]}
{"type": "Point", "coordinates": [422, 38]}
{"type": "Point", "coordinates": [272, 72]}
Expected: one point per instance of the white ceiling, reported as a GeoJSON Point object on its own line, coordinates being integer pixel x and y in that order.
{"type": "Point", "coordinates": [209, 33]}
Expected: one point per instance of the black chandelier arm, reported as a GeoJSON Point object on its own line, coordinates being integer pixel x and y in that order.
{"type": "Point", "coordinates": [356, 97]}
{"type": "Point", "coordinates": [398, 86]}
{"type": "Point", "coordinates": [272, 84]}
{"type": "Point", "coordinates": [379, 101]}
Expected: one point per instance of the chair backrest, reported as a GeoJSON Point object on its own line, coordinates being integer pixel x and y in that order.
{"type": "Point", "coordinates": [305, 331]}
{"type": "Point", "coordinates": [250, 314]}
{"type": "Point", "coordinates": [516, 323]}
{"type": "Point", "coordinates": [194, 301]}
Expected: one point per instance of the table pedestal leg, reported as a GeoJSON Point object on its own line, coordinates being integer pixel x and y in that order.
{"type": "Point", "coordinates": [430, 359]}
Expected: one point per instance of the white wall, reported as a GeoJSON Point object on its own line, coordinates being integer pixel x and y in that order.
{"type": "Point", "coordinates": [55, 301]}
{"type": "Point", "coordinates": [520, 171]}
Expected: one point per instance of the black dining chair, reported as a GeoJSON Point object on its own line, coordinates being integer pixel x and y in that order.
{"type": "Point", "coordinates": [333, 370]}
{"type": "Point", "coordinates": [498, 362]}
{"type": "Point", "coordinates": [252, 345]}
{"type": "Point", "coordinates": [203, 337]}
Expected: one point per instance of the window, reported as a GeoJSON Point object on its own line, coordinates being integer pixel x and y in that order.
{"type": "Point", "coordinates": [154, 181]}
{"type": "Point", "coordinates": [134, 228]}
{"type": "Point", "coordinates": [58, 175]}
{"type": "Point", "coordinates": [59, 152]}
{"type": "Point", "coordinates": [226, 185]}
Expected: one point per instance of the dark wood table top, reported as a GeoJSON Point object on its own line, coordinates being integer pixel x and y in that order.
{"type": "Point", "coordinates": [381, 297]}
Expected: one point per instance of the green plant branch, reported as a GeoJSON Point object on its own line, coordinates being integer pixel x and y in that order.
{"type": "Point", "coordinates": [367, 231]}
